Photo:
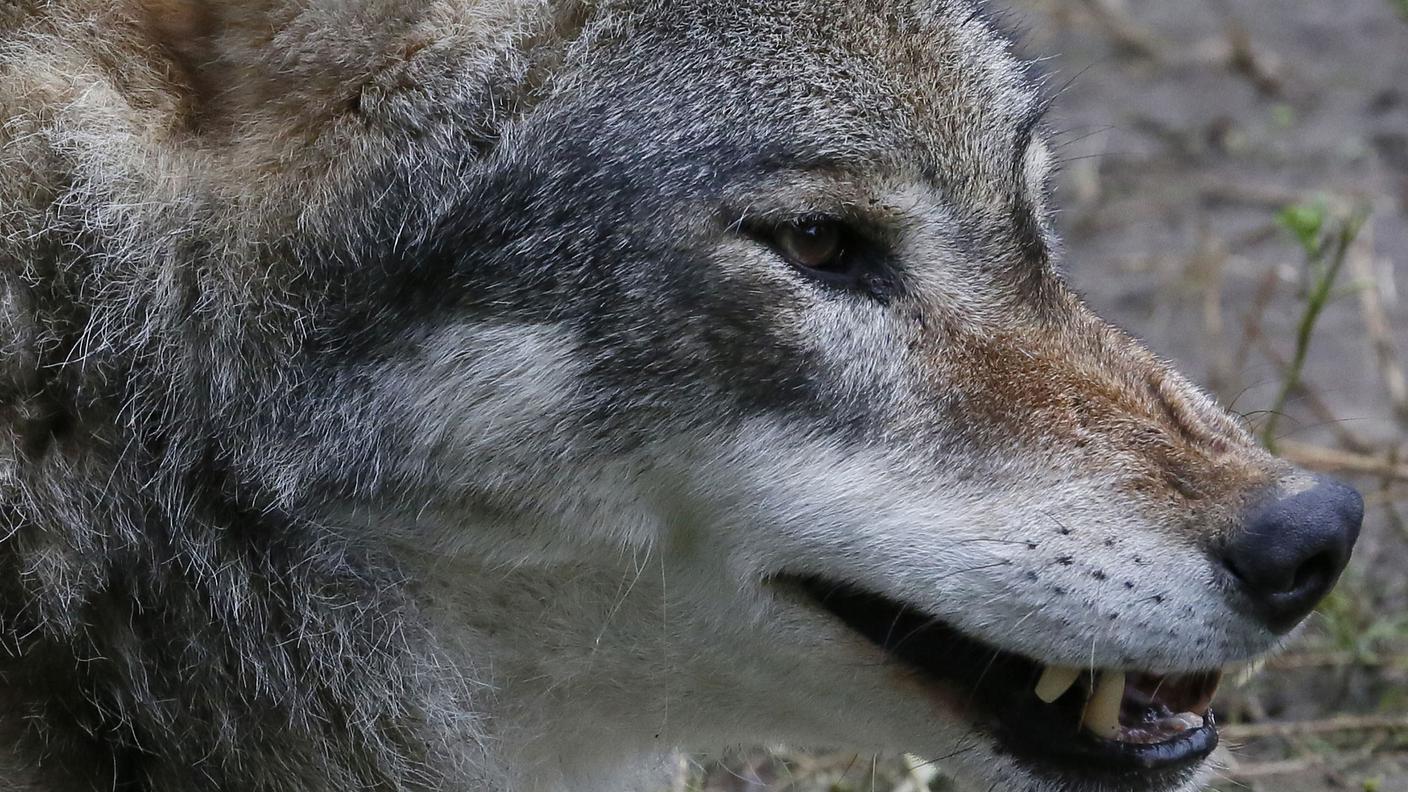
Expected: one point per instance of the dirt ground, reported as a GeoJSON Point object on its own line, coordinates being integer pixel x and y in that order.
{"type": "Point", "coordinates": [1186, 129]}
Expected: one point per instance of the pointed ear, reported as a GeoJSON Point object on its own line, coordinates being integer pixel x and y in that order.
{"type": "Point", "coordinates": [176, 22]}
{"type": "Point", "coordinates": [181, 30]}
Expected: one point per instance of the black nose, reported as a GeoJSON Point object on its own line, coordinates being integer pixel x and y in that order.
{"type": "Point", "coordinates": [1291, 551]}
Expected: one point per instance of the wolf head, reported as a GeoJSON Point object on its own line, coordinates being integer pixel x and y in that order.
{"type": "Point", "coordinates": [705, 369]}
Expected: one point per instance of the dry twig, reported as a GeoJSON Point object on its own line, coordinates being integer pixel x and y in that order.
{"type": "Point", "coordinates": [1126, 34]}
{"type": "Point", "coordinates": [1302, 660]}
{"type": "Point", "coordinates": [1376, 324]}
{"type": "Point", "coordinates": [1330, 460]}
{"type": "Point", "coordinates": [1343, 723]}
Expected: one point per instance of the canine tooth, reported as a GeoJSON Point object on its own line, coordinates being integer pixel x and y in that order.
{"type": "Point", "coordinates": [1055, 681]}
{"type": "Point", "coordinates": [1102, 711]}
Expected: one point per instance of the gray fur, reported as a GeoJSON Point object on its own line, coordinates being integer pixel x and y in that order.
{"type": "Point", "coordinates": [301, 299]}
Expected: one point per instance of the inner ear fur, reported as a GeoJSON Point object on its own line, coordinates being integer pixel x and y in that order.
{"type": "Point", "coordinates": [177, 34]}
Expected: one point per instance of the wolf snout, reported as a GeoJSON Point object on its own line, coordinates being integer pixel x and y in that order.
{"type": "Point", "coordinates": [1291, 550]}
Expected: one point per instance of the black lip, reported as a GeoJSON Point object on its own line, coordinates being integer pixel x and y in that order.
{"type": "Point", "coordinates": [1047, 738]}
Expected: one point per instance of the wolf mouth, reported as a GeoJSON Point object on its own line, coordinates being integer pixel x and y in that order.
{"type": "Point", "coordinates": [1123, 725]}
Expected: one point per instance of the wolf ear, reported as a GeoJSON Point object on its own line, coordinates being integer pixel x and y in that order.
{"type": "Point", "coordinates": [180, 30]}
{"type": "Point", "coordinates": [175, 23]}
{"type": "Point", "coordinates": [270, 68]}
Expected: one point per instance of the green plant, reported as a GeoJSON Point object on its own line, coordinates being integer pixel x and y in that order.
{"type": "Point", "coordinates": [1324, 239]}
{"type": "Point", "coordinates": [1350, 621]}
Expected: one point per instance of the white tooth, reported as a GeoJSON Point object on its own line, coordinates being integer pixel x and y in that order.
{"type": "Point", "coordinates": [1055, 681]}
{"type": "Point", "coordinates": [1102, 711]}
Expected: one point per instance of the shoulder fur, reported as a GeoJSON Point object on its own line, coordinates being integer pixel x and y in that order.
{"type": "Point", "coordinates": [156, 157]}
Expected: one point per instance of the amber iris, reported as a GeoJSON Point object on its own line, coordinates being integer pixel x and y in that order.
{"type": "Point", "coordinates": [812, 245]}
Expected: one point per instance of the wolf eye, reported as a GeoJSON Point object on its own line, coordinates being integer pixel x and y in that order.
{"type": "Point", "coordinates": [829, 250]}
{"type": "Point", "coordinates": [814, 245]}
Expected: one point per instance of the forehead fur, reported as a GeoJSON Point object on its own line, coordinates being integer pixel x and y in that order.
{"type": "Point", "coordinates": [924, 86]}
{"type": "Point", "coordinates": [928, 87]}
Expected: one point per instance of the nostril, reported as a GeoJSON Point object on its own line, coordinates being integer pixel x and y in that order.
{"type": "Point", "coordinates": [1291, 551]}
{"type": "Point", "coordinates": [1314, 572]}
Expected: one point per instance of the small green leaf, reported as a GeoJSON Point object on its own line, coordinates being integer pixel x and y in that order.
{"type": "Point", "coordinates": [1283, 115]}
{"type": "Point", "coordinates": [1305, 221]}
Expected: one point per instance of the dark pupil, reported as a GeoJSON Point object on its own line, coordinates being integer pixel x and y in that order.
{"type": "Point", "coordinates": [815, 245]}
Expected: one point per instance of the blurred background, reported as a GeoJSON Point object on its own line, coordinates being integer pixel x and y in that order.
{"type": "Point", "coordinates": [1234, 190]}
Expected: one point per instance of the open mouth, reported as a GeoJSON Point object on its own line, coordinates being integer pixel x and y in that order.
{"type": "Point", "coordinates": [1055, 719]}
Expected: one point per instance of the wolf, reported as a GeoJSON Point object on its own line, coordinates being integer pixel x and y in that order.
{"type": "Point", "coordinates": [503, 394]}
